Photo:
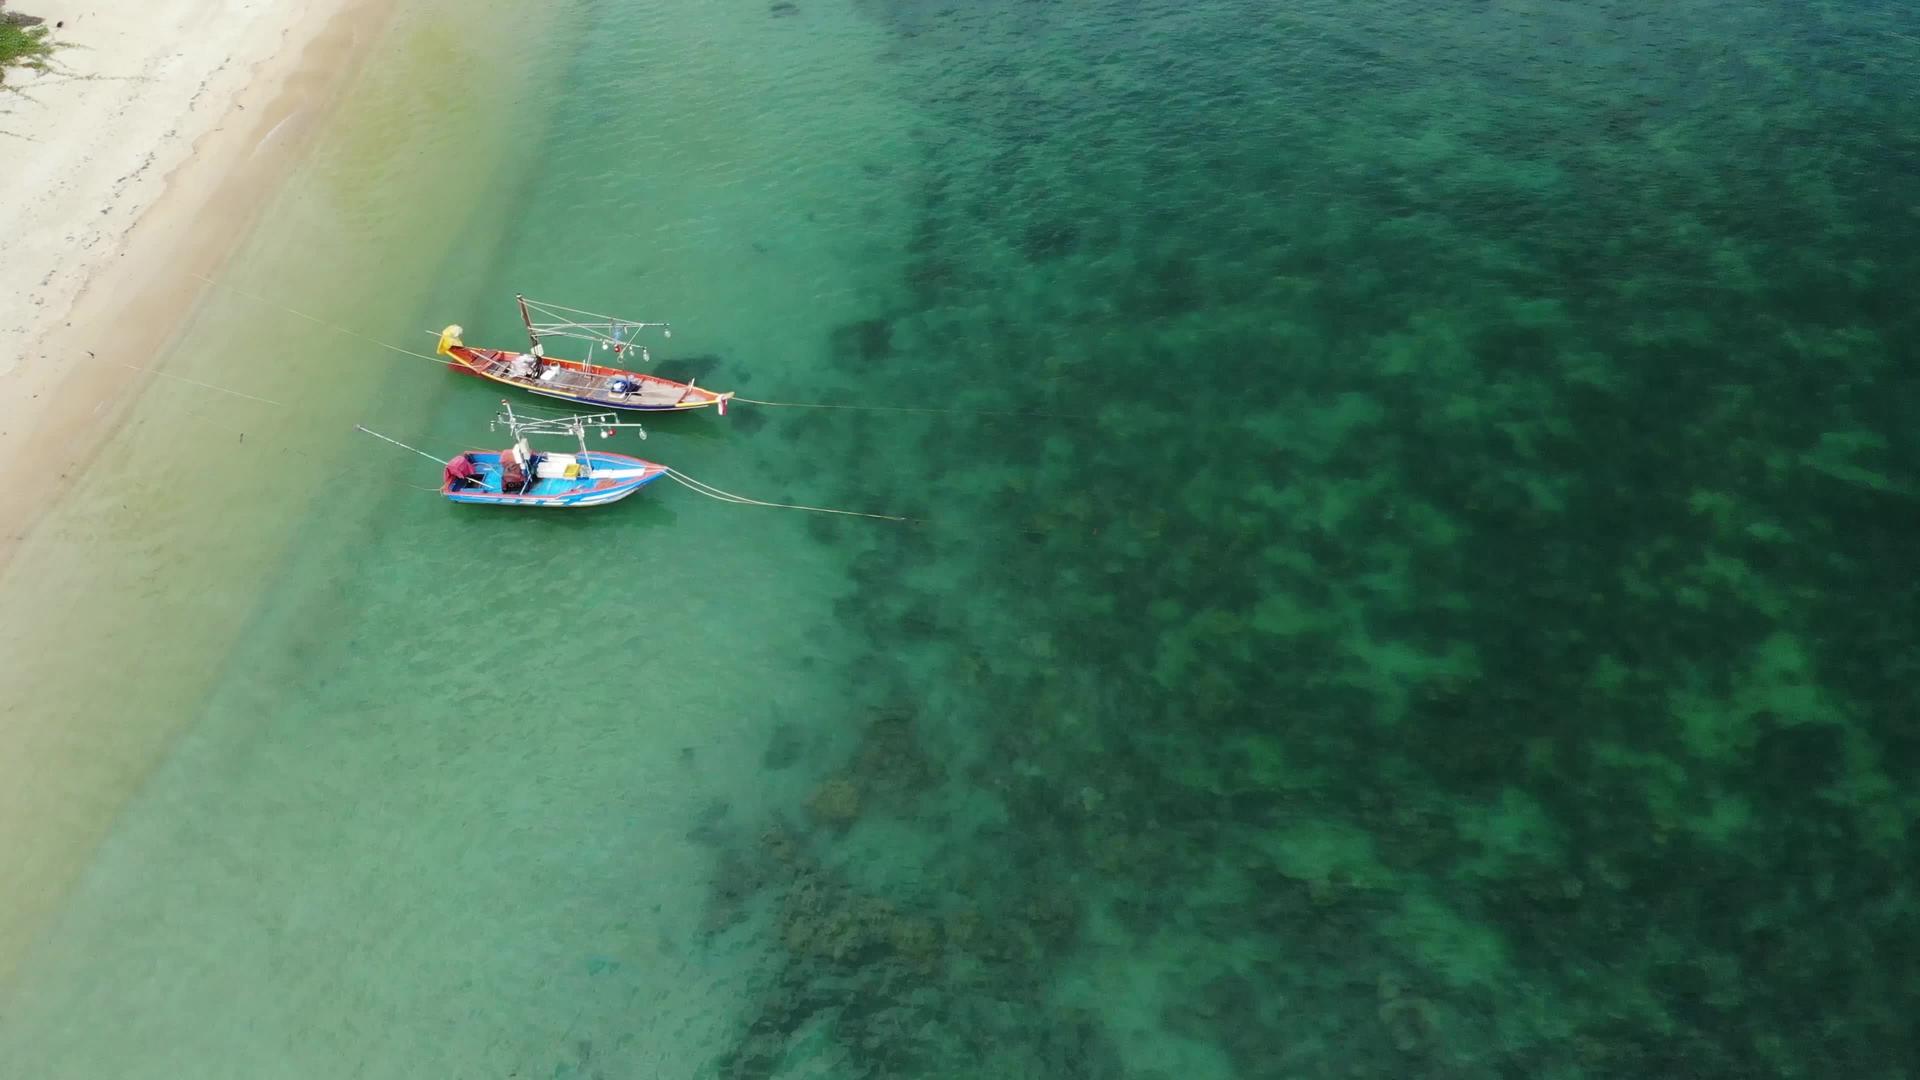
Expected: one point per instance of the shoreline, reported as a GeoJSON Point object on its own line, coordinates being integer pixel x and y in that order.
{"type": "Point", "coordinates": [122, 292]}
{"type": "Point", "coordinates": [134, 185]}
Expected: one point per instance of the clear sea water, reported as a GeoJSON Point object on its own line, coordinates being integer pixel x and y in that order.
{"type": "Point", "coordinates": [1414, 576]}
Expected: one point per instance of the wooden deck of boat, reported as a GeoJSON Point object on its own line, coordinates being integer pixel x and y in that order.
{"type": "Point", "coordinates": [583, 384]}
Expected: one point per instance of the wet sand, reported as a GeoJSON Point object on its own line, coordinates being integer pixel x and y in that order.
{"type": "Point", "coordinates": [144, 156]}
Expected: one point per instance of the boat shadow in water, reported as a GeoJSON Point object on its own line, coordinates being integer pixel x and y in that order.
{"type": "Point", "coordinates": [689, 369]}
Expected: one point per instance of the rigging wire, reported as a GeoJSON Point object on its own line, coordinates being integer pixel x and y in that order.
{"type": "Point", "coordinates": [557, 310]}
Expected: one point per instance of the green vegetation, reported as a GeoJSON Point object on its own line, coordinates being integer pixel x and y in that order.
{"type": "Point", "coordinates": [23, 46]}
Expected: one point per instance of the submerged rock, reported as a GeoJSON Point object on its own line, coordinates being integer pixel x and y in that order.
{"type": "Point", "coordinates": [870, 340]}
{"type": "Point", "coordinates": [835, 802]}
{"type": "Point", "coordinates": [1412, 1022]}
{"type": "Point", "coordinates": [915, 939]}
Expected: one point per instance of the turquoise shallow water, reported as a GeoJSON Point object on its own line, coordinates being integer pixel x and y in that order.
{"type": "Point", "coordinates": [1442, 609]}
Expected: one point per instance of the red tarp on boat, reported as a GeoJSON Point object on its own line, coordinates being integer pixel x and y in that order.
{"type": "Point", "coordinates": [459, 471]}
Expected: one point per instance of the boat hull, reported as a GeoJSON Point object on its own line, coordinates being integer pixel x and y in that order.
{"type": "Point", "coordinates": [587, 384]}
{"type": "Point", "coordinates": [556, 493]}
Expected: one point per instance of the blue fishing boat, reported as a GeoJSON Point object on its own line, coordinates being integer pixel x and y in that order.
{"type": "Point", "coordinates": [522, 476]}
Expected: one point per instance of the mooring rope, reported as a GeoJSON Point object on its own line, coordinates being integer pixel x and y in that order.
{"type": "Point", "coordinates": [322, 322]}
{"type": "Point", "coordinates": [908, 409]}
{"type": "Point", "coordinates": [197, 382]}
{"type": "Point", "coordinates": [711, 492]}
{"type": "Point", "coordinates": [401, 445]}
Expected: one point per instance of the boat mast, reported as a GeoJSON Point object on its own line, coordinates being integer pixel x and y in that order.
{"type": "Point", "coordinates": [527, 317]}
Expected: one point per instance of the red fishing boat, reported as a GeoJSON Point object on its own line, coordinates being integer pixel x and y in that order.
{"type": "Point", "coordinates": [602, 385]}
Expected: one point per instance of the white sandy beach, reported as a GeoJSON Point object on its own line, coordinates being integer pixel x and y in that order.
{"type": "Point", "coordinates": [139, 163]}
{"type": "Point", "coordinates": [131, 167]}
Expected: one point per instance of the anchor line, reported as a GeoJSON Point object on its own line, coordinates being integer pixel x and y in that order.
{"type": "Point", "coordinates": [401, 445]}
{"type": "Point", "coordinates": [203, 385]}
{"type": "Point", "coordinates": [909, 409]}
{"type": "Point", "coordinates": [702, 488]}
{"type": "Point", "coordinates": [258, 299]}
